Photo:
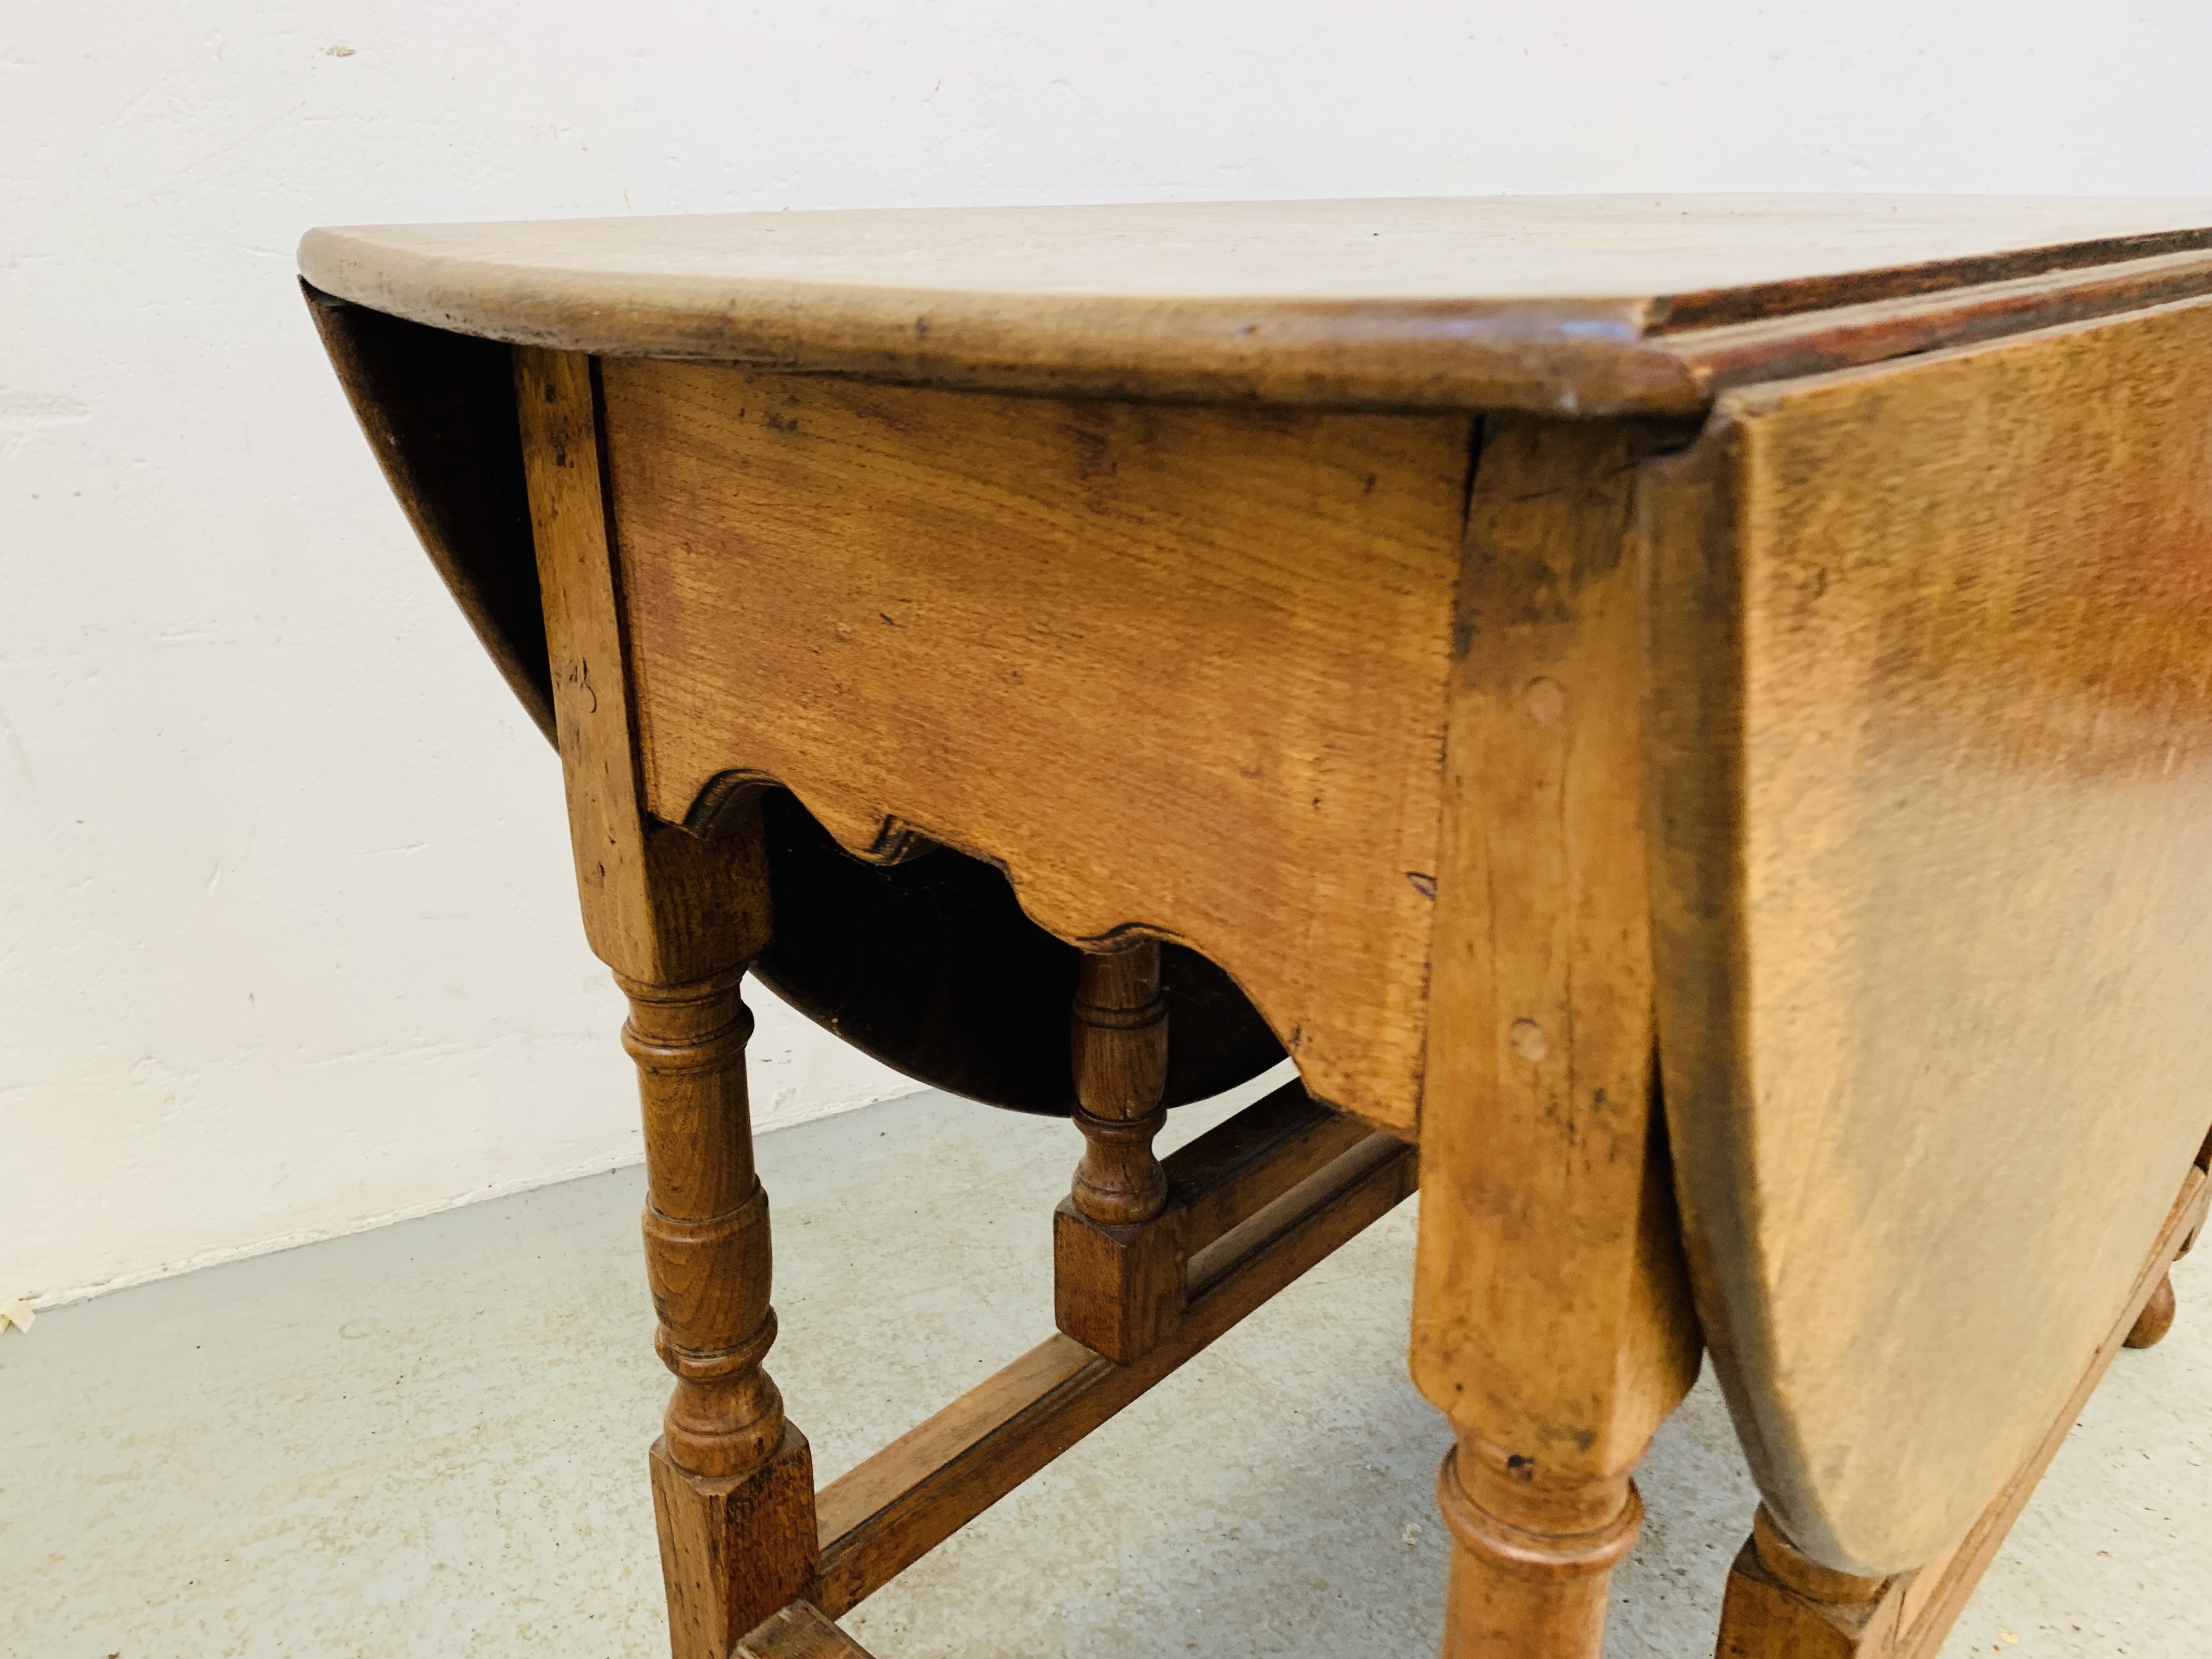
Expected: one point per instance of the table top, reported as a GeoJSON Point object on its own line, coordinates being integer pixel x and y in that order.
{"type": "Point", "coordinates": [1436, 302]}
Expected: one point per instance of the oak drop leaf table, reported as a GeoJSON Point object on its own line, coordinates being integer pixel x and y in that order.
{"type": "Point", "coordinates": [1694, 715]}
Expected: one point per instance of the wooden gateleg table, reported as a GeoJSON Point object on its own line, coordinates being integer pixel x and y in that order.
{"type": "Point", "coordinates": [1690, 721]}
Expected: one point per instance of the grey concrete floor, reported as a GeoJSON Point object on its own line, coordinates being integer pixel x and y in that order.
{"type": "Point", "coordinates": [431, 1440]}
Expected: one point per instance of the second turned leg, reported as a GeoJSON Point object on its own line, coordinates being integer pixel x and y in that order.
{"type": "Point", "coordinates": [1118, 1051]}
{"type": "Point", "coordinates": [1118, 1278]}
{"type": "Point", "coordinates": [1783, 1604]}
{"type": "Point", "coordinates": [733, 1480]}
{"type": "Point", "coordinates": [2157, 1317]}
{"type": "Point", "coordinates": [1531, 1565]}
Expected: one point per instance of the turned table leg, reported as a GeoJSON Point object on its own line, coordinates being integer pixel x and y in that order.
{"type": "Point", "coordinates": [678, 917]}
{"type": "Point", "coordinates": [1532, 1564]}
{"type": "Point", "coordinates": [733, 1480]}
{"type": "Point", "coordinates": [1118, 1277]}
{"type": "Point", "coordinates": [2157, 1317]}
{"type": "Point", "coordinates": [1118, 1039]}
{"type": "Point", "coordinates": [1783, 1604]}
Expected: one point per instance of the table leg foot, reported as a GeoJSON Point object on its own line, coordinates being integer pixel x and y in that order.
{"type": "Point", "coordinates": [1531, 1568]}
{"type": "Point", "coordinates": [1783, 1604]}
{"type": "Point", "coordinates": [801, 1631]}
{"type": "Point", "coordinates": [1118, 1275]}
{"type": "Point", "coordinates": [734, 1548]}
{"type": "Point", "coordinates": [2157, 1317]}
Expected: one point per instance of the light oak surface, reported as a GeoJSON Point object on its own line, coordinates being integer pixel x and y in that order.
{"type": "Point", "coordinates": [1552, 1319]}
{"type": "Point", "coordinates": [1541, 303]}
{"type": "Point", "coordinates": [1173, 669]}
{"type": "Point", "coordinates": [1781, 1604]}
{"type": "Point", "coordinates": [1556, 1258]}
{"type": "Point", "coordinates": [1933, 648]}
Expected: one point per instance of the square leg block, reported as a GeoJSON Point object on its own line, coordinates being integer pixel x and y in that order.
{"type": "Point", "coordinates": [1118, 1290]}
{"type": "Point", "coordinates": [734, 1550]}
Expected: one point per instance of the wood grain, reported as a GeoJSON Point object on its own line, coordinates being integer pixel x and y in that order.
{"type": "Point", "coordinates": [1535, 1586]}
{"type": "Point", "coordinates": [1119, 1289]}
{"type": "Point", "coordinates": [1780, 1602]}
{"type": "Point", "coordinates": [734, 1548]}
{"type": "Point", "coordinates": [1234, 1169]}
{"type": "Point", "coordinates": [661, 905]}
{"type": "Point", "coordinates": [1179, 672]}
{"type": "Point", "coordinates": [1933, 693]}
{"type": "Point", "coordinates": [434, 406]}
{"type": "Point", "coordinates": [930, 966]}
{"type": "Point", "coordinates": [1118, 1039]}
{"type": "Point", "coordinates": [1117, 1266]}
{"type": "Point", "coordinates": [1932, 1602]}
{"type": "Point", "coordinates": [1720, 354]}
{"type": "Point", "coordinates": [1770, 1611]}
{"type": "Point", "coordinates": [1551, 1314]}
{"type": "Point", "coordinates": [1536, 303]}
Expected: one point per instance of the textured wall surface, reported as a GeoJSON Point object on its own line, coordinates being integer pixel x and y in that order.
{"type": "Point", "coordinates": [289, 939]}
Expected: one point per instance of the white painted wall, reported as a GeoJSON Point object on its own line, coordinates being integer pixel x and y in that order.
{"type": "Point", "coordinates": [287, 932]}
